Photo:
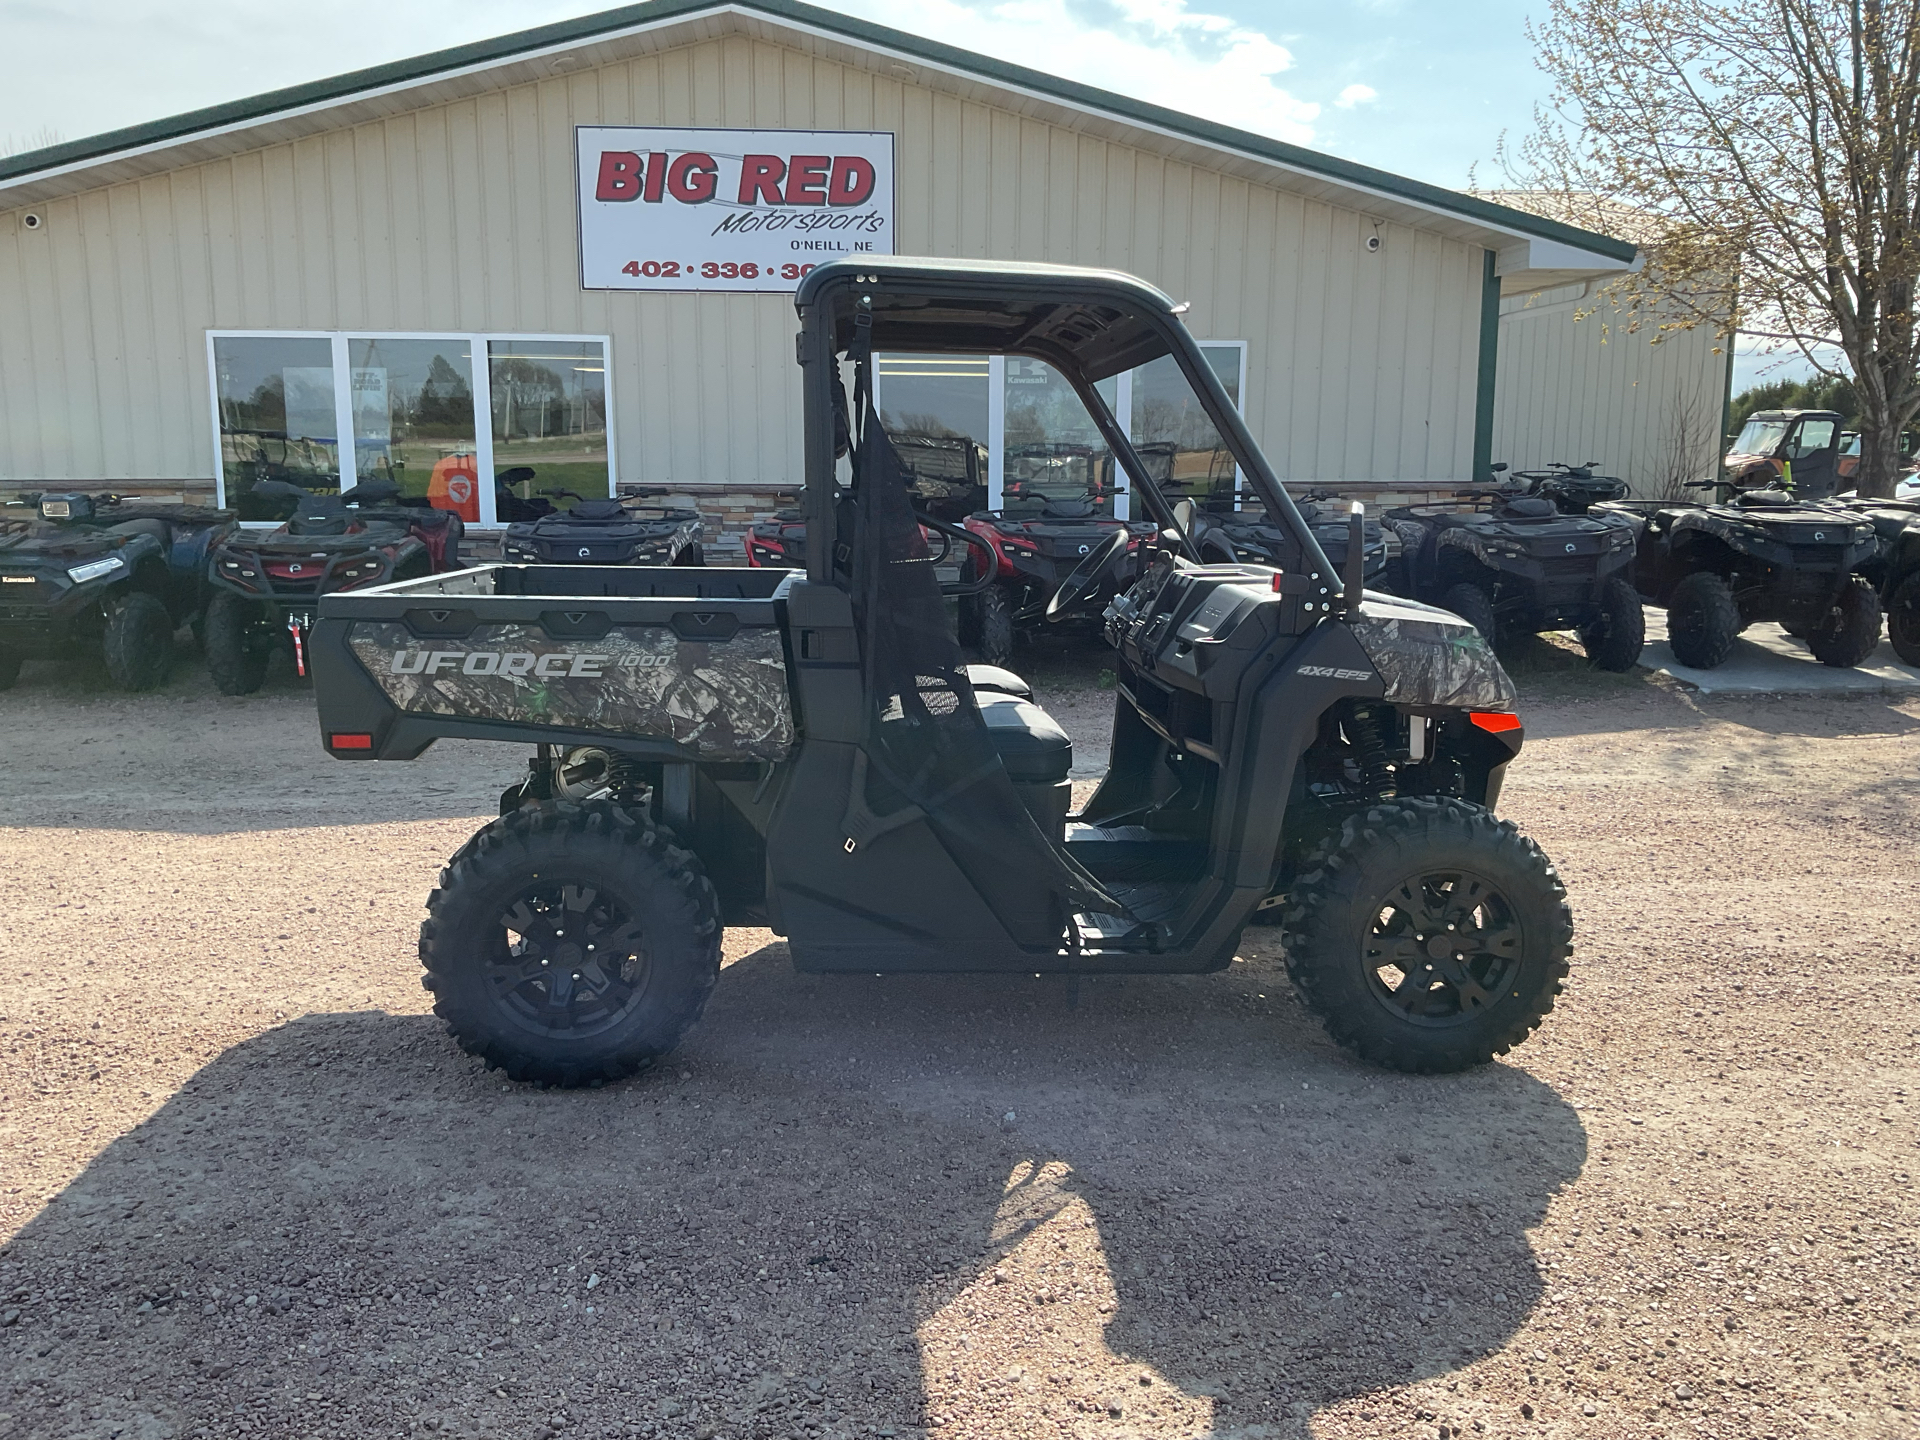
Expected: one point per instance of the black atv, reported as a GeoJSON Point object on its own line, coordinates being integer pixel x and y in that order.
{"type": "Point", "coordinates": [1893, 570]}
{"type": "Point", "coordinates": [85, 570]}
{"type": "Point", "coordinates": [1759, 555]}
{"type": "Point", "coordinates": [1253, 536]}
{"type": "Point", "coordinates": [808, 751]}
{"type": "Point", "coordinates": [265, 586]}
{"type": "Point", "coordinates": [1573, 489]}
{"type": "Point", "coordinates": [946, 476]}
{"type": "Point", "coordinates": [1514, 564]}
{"type": "Point", "coordinates": [628, 531]}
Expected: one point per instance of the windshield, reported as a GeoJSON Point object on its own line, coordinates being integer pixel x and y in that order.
{"type": "Point", "coordinates": [1760, 437]}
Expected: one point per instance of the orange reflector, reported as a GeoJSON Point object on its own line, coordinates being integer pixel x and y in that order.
{"type": "Point", "coordinates": [1493, 720]}
{"type": "Point", "coordinates": [350, 742]}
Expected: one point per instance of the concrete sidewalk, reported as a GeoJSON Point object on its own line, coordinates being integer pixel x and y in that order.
{"type": "Point", "coordinates": [1768, 661]}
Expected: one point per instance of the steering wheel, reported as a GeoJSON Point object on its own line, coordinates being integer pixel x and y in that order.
{"type": "Point", "coordinates": [1077, 586]}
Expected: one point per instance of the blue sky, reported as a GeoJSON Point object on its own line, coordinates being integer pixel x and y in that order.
{"type": "Point", "coordinates": [1420, 89]}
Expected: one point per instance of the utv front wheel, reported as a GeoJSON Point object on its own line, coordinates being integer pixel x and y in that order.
{"type": "Point", "coordinates": [237, 644]}
{"type": "Point", "coordinates": [1614, 637]}
{"type": "Point", "coordinates": [1428, 935]}
{"type": "Point", "coordinates": [1702, 621]}
{"type": "Point", "coordinates": [1473, 605]}
{"type": "Point", "coordinates": [139, 642]}
{"type": "Point", "coordinates": [571, 944]}
{"type": "Point", "coordinates": [1850, 630]}
{"type": "Point", "coordinates": [1903, 619]}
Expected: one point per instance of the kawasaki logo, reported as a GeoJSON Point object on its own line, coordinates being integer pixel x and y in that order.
{"type": "Point", "coordinates": [1329, 672]}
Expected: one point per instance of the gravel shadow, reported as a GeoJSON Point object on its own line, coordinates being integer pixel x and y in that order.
{"type": "Point", "coordinates": [972, 1205]}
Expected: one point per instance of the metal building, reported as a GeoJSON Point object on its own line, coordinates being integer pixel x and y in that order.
{"type": "Point", "coordinates": [388, 272]}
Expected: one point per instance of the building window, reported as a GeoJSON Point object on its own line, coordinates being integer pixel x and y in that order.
{"type": "Point", "coordinates": [413, 418]}
{"type": "Point", "coordinates": [937, 410]}
{"type": "Point", "coordinates": [416, 410]}
{"type": "Point", "coordinates": [1183, 451]}
{"type": "Point", "coordinates": [549, 410]}
{"type": "Point", "coordinates": [278, 415]}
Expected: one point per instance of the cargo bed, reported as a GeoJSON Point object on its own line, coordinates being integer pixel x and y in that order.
{"type": "Point", "coordinates": [678, 664]}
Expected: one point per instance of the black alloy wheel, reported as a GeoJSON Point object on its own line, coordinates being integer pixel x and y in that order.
{"type": "Point", "coordinates": [571, 961]}
{"type": "Point", "coordinates": [1443, 948]}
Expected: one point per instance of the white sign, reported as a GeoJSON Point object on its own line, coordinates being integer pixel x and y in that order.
{"type": "Point", "coordinates": [664, 209]}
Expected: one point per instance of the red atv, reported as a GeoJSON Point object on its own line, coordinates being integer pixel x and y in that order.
{"type": "Point", "coordinates": [266, 587]}
{"type": "Point", "coordinates": [1053, 517]}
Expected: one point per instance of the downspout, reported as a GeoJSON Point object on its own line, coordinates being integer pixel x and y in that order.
{"type": "Point", "coordinates": [1489, 358]}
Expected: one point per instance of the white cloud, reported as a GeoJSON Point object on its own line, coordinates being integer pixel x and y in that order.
{"type": "Point", "coordinates": [1153, 50]}
{"type": "Point", "coordinates": [1356, 95]}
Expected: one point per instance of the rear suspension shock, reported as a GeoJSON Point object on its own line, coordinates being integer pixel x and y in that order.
{"type": "Point", "coordinates": [1366, 727]}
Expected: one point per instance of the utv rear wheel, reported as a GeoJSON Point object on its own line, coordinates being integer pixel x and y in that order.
{"type": "Point", "coordinates": [1428, 935]}
{"type": "Point", "coordinates": [1850, 630]}
{"type": "Point", "coordinates": [1903, 618]}
{"type": "Point", "coordinates": [571, 944]}
{"type": "Point", "coordinates": [1702, 621]}
{"type": "Point", "coordinates": [1615, 636]}
{"type": "Point", "coordinates": [1473, 605]}
{"type": "Point", "coordinates": [996, 625]}
{"type": "Point", "coordinates": [238, 644]}
{"type": "Point", "coordinates": [138, 643]}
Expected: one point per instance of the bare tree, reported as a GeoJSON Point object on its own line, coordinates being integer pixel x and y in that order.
{"type": "Point", "coordinates": [1689, 443]}
{"type": "Point", "coordinates": [1774, 145]}
{"type": "Point", "coordinates": [39, 139]}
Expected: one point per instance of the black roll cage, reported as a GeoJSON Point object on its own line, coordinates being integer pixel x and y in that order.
{"type": "Point", "coordinates": [1088, 324]}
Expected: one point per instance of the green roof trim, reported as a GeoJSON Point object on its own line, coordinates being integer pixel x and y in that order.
{"type": "Point", "coordinates": [653, 12]}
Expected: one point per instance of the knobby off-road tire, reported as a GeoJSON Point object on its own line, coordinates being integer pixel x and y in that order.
{"type": "Point", "coordinates": [1473, 605]}
{"type": "Point", "coordinates": [571, 944]}
{"type": "Point", "coordinates": [1850, 630]}
{"type": "Point", "coordinates": [138, 644]}
{"type": "Point", "coordinates": [1903, 618]}
{"type": "Point", "coordinates": [1614, 639]}
{"type": "Point", "coordinates": [1428, 934]}
{"type": "Point", "coordinates": [9, 669]}
{"type": "Point", "coordinates": [1702, 621]}
{"type": "Point", "coordinates": [237, 646]}
{"type": "Point", "coordinates": [996, 624]}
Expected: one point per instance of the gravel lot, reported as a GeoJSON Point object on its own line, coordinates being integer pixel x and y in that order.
{"type": "Point", "coordinates": [247, 1187]}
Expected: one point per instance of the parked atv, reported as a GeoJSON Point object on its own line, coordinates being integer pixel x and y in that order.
{"type": "Point", "coordinates": [80, 570]}
{"type": "Point", "coordinates": [1054, 513]}
{"type": "Point", "coordinates": [608, 532]}
{"type": "Point", "coordinates": [1573, 489]}
{"type": "Point", "coordinates": [1514, 564]}
{"type": "Point", "coordinates": [265, 586]}
{"type": "Point", "coordinates": [1894, 568]}
{"type": "Point", "coordinates": [807, 750]}
{"type": "Point", "coordinates": [1253, 536]}
{"type": "Point", "coordinates": [1761, 555]}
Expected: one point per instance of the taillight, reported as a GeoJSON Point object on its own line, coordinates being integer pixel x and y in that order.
{"type": "Point", "coordinates": [1493, 721]}
{"type": "Point", "coordinates": [339, 741]}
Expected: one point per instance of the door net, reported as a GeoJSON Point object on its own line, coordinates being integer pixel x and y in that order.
{"type": "Point", "coordinates": [925, 738]}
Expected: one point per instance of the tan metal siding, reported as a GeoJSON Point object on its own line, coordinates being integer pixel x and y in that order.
{"type": "Point", "coordinates": [1577, 389]}
{"type": "Point", "coordinates": [461, 217]}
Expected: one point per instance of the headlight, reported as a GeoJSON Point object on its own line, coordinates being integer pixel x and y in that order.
{"type": "Point", "coordinates": [94, 569]}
